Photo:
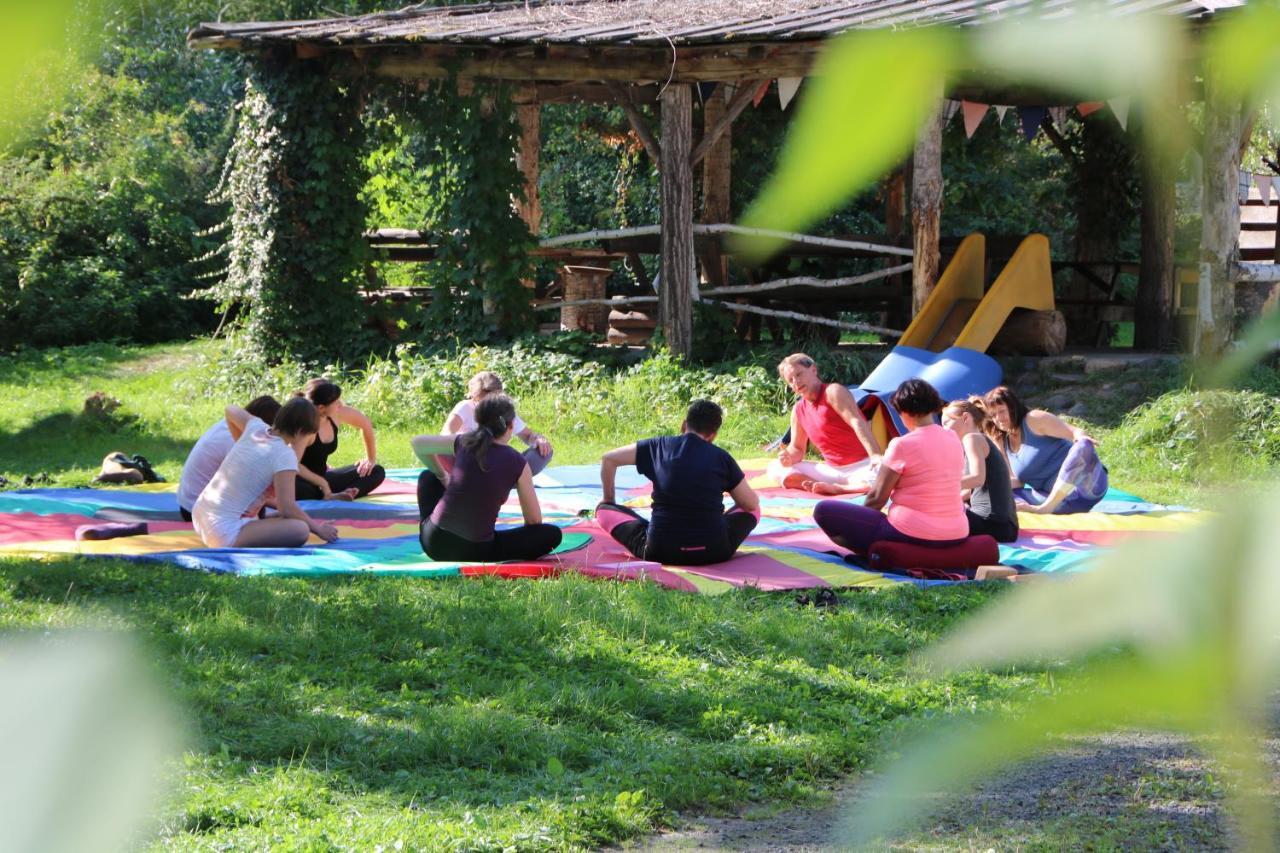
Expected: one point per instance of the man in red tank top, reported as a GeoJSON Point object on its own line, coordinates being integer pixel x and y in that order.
{"type": "Point", "coordinates": [826, 415]}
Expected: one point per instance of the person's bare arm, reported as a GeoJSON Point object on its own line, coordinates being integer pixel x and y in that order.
{"type": "Point", "coordinates": [529, 506]}
{"type": "Point", "coordinates": [975, 461]}
{"type": "Point", "coordinates": [237, 419]}
{"type": "Point", "coordinates": [430, 448]}
{"type": "Point", "coordinates": [453, 424]}
{"type": "Point", "coordinates": [353, 417]}
{"type": "Point", "coordinates": [536, 440]}
{"type": "Point", "coordinates": [609, 464]}
{"type": "Point", "coordinates": [794, 451]}
{"type": "Point", "coordinates": [745, 497]}
{"type": "Point", "coordinates": [286, 503]}
{"type": "Point", "coordinates": [886, 480]}
{"type": "Point", "coordinates": [842, 401]}
{"type": "Point", "coordinates": [1051, 425]}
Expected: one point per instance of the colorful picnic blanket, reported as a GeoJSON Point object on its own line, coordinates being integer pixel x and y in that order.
{"type": "Point", "coordinates": [379, 535]}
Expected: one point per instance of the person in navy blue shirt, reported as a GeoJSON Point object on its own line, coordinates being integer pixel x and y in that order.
{"type": "Point", "coordinates": [690, 476]}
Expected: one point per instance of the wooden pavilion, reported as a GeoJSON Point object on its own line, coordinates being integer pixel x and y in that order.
{"type": "Point", "coordinates": [631, 52]}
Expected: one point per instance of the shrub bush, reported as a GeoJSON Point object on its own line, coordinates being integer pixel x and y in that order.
{"type": "Point", "coordinates": [97, 223]}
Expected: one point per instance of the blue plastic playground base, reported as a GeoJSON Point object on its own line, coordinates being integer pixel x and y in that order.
{"type": "Point", "coordinates": [956, 373]}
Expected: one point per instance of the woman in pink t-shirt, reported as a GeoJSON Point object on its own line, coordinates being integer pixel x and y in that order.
{"type": "Point", "coordinates": [921, 471]}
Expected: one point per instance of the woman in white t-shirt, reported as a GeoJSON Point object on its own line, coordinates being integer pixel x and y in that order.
{"type": "Point", "coordinates": [462, 419]}
{"type": "Point", "coordinates": [205, 458]}
{"type": "Point", "coordinates": [263, 457]}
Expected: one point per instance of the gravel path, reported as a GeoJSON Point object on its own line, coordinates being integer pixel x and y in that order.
{"type": "Point", "coordinates": [1131, 790]}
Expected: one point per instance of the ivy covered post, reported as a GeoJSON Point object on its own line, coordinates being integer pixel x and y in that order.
{"type": "Point", "coordinates": [297, 249]}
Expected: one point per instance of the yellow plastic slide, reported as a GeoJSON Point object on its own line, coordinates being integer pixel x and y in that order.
{"type": "Point", "coordinates": [959, 313]}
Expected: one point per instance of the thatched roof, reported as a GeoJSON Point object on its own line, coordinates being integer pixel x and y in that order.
{"type": "Point", "coordinates": [649, 23]}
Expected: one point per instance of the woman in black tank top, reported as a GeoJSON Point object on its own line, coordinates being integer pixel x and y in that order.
{"type": "Point", "coordinates": [316, 480]}
{"type": "Point", "coordinates": [986, 474]}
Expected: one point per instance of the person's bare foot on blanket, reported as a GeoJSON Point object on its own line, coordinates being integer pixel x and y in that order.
{"type": "Point", "coordinates": [797, 481]}
{"type": "Point", "coordinates": [831, 489]}
{"type": "Point", "coordinates": [346, 494]}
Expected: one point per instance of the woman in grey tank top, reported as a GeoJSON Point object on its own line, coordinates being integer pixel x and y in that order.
{"type": "Point", "coordinates": [986, 473]}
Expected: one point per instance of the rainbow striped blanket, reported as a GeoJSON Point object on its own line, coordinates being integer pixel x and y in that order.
{"type": "Point", "coordinates": [378, 535]}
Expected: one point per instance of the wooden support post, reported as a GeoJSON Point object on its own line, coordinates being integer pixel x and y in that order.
{"type": "Point", "coordinates": [1225, 119]}
{"type": "Point", "coordinates": [724, 121]}
{"type": "Point", "coordinates": [530, 210]}
{"type": "Point", "coordinates": [894, 190]}
{"type": "Point", "coordinates": [677, 289]}
{"type": "Point", "coordinates": [715, 184]}
{"type": "Point", "coordinates": [926, 210]}
{"type": "Point", "coordinates": [1153, 305]}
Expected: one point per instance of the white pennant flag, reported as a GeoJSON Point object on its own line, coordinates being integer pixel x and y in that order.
{"type": "Point", "coordinates": [787, 88]}
{"type": "Point", "coordinates": [1120, 106]}
{"type": "Point", "coordinates": [1000, 111]}
{"type": "Point", "coordinates": [1264, 187]}
{"type": "Point", "coordinates": [1059, 116]}
{"type": "Point", "coordinates": [949, 110]}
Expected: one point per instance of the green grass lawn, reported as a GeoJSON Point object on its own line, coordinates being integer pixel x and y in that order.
{"type": "Point", "coordinates": [465, 714]}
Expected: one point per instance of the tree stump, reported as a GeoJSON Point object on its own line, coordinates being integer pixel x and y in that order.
{"type": "Point", "coordinates": [1029, 332]}
{"type": "Point", "coordinates": [628, 337]}
{"type": "Point", "coordinates": [629, 321]}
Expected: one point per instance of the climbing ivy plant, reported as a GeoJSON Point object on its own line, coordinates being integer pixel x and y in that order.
{"type": "Point", "coordinates": [293, 180]}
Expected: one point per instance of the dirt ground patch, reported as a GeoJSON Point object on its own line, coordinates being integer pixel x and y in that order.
{"type": "Point", "coordinates": [1132, 790]}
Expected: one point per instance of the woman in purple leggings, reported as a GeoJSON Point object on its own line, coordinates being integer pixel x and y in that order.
{"type": "Point", "coordinates": [1053, 466]}
{"type": "Point", "coordinates": [921, 471]}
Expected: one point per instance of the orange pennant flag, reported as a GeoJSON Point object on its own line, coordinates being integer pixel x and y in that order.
{"type": "Point", "coordinates": [1088, 107]}
{"type": "Point", "coordinates": [973, 116]}
{"type": "Point", "coordinates": [760, 93]}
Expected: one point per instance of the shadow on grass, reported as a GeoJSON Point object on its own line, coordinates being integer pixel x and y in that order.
{"type": "Point", "coordinates": [90, 361]}
{"type": "Point", "coordinates": [59, 442]}
{"type": "Point", "coordinates": [486, 693]}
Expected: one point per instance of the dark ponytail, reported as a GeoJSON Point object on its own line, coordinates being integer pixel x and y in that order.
{"type": "Point", "coordinates": [494, 416]}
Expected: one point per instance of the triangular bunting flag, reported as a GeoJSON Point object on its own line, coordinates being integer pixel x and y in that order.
{"type": "Point", "coordinates": [949, 110]}
{"type": "Point", "coordinates": [787, 87]}
{"type": "Point", "coordinates": [1088, 108]}
{"type": "Point", "coordinates": [760, 93]}
{"type": "Point", "coordinates": [1244, 184]}
{"type": "Point", "coordinates": [1120, 106]}
{"type": "Point", "coordinates": [1031, 118]}
{"type": "Point", "coordinates": [973, 116]}
{"type": "Point", "coordinates": [1000, 111]}
{"type": "Point", "coordinates": [1264, 187]}
{"type": "Point", "coordinates": [1059, 116]}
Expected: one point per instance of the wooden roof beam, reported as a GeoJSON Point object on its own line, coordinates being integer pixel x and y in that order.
{"type": "Point", "coordinates": [562, 63]}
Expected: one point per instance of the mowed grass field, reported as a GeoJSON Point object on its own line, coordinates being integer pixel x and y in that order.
{"type": "Point", "coordinates": [463, 714]}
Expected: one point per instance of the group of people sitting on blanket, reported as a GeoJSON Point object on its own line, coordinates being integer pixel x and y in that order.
{"type": "Point", "coordinates": [268, 454]}
{"type": "Point", "coordinates": [988, 458]}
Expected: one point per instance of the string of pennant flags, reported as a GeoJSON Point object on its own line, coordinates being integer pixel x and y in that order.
{"type": "Point", "coordinates": [972, 111]}
{"type": "Point", "coordinates": [1030, 117]}
{"type": "Point", "coordinates": [1264, 183]}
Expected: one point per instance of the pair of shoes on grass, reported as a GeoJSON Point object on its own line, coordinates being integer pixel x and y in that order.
{"type": "Point", "coordinates": [823, 598]}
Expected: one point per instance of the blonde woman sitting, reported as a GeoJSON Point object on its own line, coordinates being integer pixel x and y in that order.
{"type": "Point", "coordinates": [462, 419]}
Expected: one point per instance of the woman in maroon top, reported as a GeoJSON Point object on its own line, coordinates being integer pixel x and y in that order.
{"type": "Point", "coordinates": [458, 518]}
